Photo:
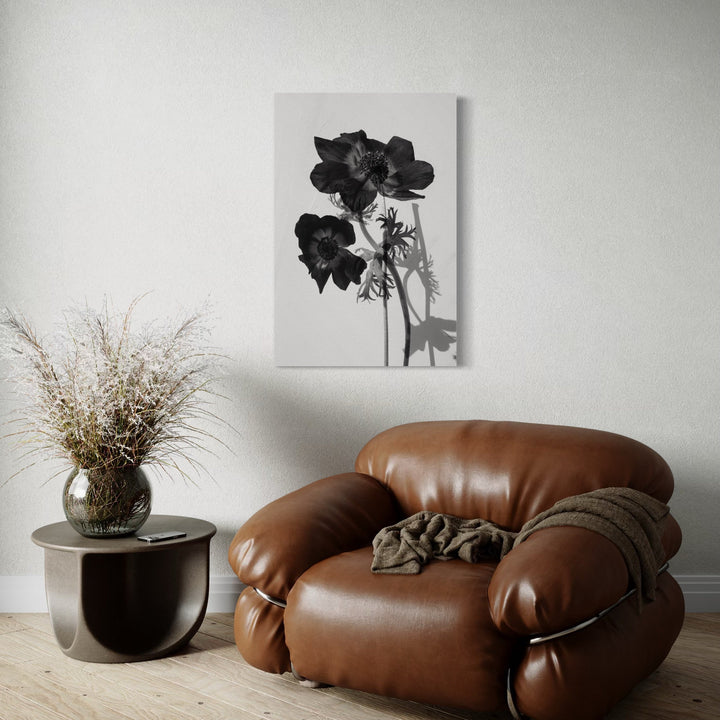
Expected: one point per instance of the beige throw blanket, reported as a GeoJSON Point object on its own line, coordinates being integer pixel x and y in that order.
{"type": "Point", "coordinates": [632, 519]}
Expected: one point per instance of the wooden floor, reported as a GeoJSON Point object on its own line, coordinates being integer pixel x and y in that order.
{"type": "Point", "coordinates": [209, 679]}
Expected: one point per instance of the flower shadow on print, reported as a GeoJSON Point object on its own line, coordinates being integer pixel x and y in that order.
{"type": "Point", "coordinates": [430, 332]}
{"type": "Point", "coordinates": [357, 173]}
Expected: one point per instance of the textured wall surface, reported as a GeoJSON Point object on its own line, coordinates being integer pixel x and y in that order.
{"type": "Point", "coordinates": [136, 154]}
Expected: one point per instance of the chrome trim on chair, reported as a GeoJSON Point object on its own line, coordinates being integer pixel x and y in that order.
{"type": "Point", "coordinates": [517, 715]}
{"type": "Point", "coordinates": [271, 599]}
{"type": "Point", "coordinates": [537, 639]}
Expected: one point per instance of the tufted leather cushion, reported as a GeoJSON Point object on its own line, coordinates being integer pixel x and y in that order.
{"type": "Point", "coordinates": [280, 541]}
{"type": "Point", "coordinates": [506, 472]}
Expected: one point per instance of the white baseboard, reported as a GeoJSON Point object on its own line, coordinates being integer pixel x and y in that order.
{"type": "Point", "coordinates": [224, 593]}
{"type": "Point", "coordinates": [701, 592]}
{"type": "Point", "coordinates": [26, 593]}
{"type": "Point", "coordinates": [22, 593]}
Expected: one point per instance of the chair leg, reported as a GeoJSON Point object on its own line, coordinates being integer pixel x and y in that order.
{"type": "Point", "coordinates": [304, 681]}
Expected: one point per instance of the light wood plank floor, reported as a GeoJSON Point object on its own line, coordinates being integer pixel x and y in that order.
{"type": "Point", "coordinates": [209, 679]}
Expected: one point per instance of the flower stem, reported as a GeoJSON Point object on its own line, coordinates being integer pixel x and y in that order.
{"type": "Point", "coordinates": [390, 265]}
{"type": "Point", "coordinates": [368, 236]}
{"type": "Point", "coordinates": [386, 339]}
{"type": "Point", "coordinates": [402, 297]}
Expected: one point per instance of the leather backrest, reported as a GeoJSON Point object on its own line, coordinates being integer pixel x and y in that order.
{"type": "Point", "coordinates": [506, 472]}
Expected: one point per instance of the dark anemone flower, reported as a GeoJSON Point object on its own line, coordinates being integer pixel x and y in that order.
{"type": "Point", "coordinates": [358, 168]}
{"type": "Point", "coordinates": [323, 241]}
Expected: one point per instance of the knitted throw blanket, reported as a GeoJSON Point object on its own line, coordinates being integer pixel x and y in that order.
{"type": "Point", "coordinates": [629, 518]}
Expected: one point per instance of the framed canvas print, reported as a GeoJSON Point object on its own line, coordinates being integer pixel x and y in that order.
{"type": "Point", "coordinates": [365, 230]}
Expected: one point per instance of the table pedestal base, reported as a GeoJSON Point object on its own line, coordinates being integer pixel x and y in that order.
{"type": "Point", "coordinates": [123, 605]}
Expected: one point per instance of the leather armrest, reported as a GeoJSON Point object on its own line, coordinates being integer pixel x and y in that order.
{"type": "Point", "coordinates": [555, 579]}
{"type": "Point", "coordinates": [330, 516]}
{"type": "Point", "coordinates": [561, 576]}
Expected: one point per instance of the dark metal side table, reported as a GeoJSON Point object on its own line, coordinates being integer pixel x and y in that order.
{"type": "Point", "coordinates": [123, 599]}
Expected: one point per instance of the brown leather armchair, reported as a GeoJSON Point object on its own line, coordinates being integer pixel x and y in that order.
{"type": "Point", "coordinates": [531, 630]}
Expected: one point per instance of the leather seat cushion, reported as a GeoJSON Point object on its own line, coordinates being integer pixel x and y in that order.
{"type": "Point", "coordinates": [426, 637]}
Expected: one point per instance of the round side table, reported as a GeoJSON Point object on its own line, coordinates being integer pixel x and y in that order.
{"type": "Point", "coordinates": [124, 599]}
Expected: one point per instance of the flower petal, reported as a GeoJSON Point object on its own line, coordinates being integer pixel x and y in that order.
{"type": "Point", "coordinates": [416, 175]}
{"type": "Point", "coordinates": [356, 138]}
{"type": "Point", "coordinates": [306, 225]}
{"type": "Point", "coordinates": [328, 176]}
{"type": "Point", "coordinates": [331, 150]}
{"type": "Point", "coordinates": [308, 244]}
{"type": "Point", "coordinates": [341, 230]}
{"type": "Point", "coordinates": [320, 276]}
{"type": "Point", "coordinates": [348, 268]}
{"type": "Point", "coordinates": [340, 278]}
{"type": "Point", "coordinates": [374, 146]}
{"type": "Point", "coordinates": [399, 151]}
{"type": "Point", "coordinates": [320, 272]}
{"type": "Point", "coordinates": [354, 268]}
{"type": "Point", "coordinates": [358, 194]}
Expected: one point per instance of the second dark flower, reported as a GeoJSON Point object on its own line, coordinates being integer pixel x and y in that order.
{"type": "Point", "coordinates": [323, 241]}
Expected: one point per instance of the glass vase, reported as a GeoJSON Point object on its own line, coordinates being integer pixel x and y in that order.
{"type": "Point", "coordinates": [107, 503]}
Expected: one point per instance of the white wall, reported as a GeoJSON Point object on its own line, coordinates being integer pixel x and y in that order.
{"type": "Point", "coordinates": [136, 154]}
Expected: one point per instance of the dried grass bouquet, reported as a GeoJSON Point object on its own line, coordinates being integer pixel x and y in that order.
{"type": "Point", "coordinates": [105, 397]}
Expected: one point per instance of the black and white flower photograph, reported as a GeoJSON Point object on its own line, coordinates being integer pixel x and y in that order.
{"type": "Point", "coordinates": [365, 230]}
